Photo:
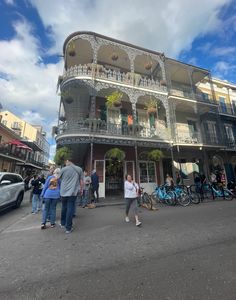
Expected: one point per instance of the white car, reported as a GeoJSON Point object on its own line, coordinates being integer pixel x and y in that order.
{"type": "Point", "coordinates": [12, 189]}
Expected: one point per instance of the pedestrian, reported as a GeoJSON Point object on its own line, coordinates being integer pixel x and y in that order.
{"type": "Point", "coordinates": [169, 181]}
{"type": "Point", "coordinates": [86, 191]}
{"type": "Point", "coordinates": [95, 186]}
{"type": "Point", "coordinates": [50, 195]}
{"type": "Point", "coordinates": [131, 191]}
{"type": "Point", "coordinates": [178, 178]}
{"type": "Point", "coordinates": [71, 177]}
{"type": "Point", "coordinates": [197, 182]}
{"type": "Point", "coordinates": [213, 179]}
{"type": "Point", "coordinates": [36, 199]}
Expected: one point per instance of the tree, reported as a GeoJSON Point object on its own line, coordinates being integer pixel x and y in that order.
{"type": "Point", "coordinates": [62, 154]}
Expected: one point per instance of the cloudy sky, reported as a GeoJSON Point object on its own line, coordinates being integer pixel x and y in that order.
{"type": "Point", "coordinates": [32, 33]}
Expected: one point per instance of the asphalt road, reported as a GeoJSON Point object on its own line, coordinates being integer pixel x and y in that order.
{"type": "Point", "coordinates": [178, 253]}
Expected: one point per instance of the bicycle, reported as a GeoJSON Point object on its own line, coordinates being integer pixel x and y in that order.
{"type": "Point", "coordinates": [144, 199]}
{"type": "Point", "coordinates": [211, 191]}
{"type": "Point", "coordinates": [182, 196]}
{"type": "Point", "coordinates": [161, 195]}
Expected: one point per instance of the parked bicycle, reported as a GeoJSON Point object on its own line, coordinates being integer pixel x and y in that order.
{"type": "Point", "coordinates": [210, 191]}
{"type": "Point", "coordinates": [182, 196]}
{"type": "Point", "coordinates": [162, 195]}
{"type": "Point", "coordinates": [144, 199]}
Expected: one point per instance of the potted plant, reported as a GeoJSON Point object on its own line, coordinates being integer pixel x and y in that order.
{"type": "Point", "coordinates": [151, 106]}
{"type": "Point", "coordinates": [155, 155]}
{"type": "Point", "coordinates": [114, 99]}
{"type": "Point", "coordinates": [163, 82]}
{"type": "Point", "coordinates": [71, 49]}
{"type": "Point", "coordinates": [115, 154]}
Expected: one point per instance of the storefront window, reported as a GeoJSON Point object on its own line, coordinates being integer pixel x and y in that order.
{"type": "Point", "coordinates": [147, 172]}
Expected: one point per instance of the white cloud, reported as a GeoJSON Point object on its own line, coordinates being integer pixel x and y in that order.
{"type": "Point", "coordinates": [9, 2]}
{"type": "Point", "coordinates": [168, 26]}
{"type": "Point", "coordinates": [52, 152]}
{"type": "Point", "coordinates": [222, 69]}
{"type": "Point", "coordinates": [26, 83]}
{"type": "Point", "coordinates": [224, 51]}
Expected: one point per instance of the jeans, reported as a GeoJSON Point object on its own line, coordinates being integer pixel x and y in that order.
{"type": "Point", "coordinates": [36, 203]}
{"type": "Point", "coordinates": [49, 210]}
{"type": "Point", "coordinates": [67, 211]}
{"type": "Point", "coordinates": [85, 197]}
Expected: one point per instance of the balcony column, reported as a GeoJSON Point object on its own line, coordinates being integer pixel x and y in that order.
{"type": "Point", "coordinates": [190, 73]}
{"type": "Point", "coordinates": [92, 111]}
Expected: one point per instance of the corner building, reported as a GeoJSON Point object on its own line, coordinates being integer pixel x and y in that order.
{"type": "Point", "coordinates": [184, 124]}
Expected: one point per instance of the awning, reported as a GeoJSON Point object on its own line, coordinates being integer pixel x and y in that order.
{"type": "Point", "coordinates": [19, 144]}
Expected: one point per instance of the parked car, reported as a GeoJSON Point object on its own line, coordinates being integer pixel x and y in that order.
{"type": "Point", "coordinates": [12, 189]}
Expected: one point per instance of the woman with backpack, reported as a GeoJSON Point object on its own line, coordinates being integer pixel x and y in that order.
{"type": "Point", "coordinates": [50, 195]}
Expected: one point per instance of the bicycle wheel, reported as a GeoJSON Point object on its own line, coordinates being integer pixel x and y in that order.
{"type": "Point", "coordinates": [195, 198]}
{"type": "Point", "coordinates": [170, 198]}
{"type": "Point", "coordinates": [183, 199]}
{"type": "Point", "coordinates": [154, 197]}
{"type": "Point", "coordinates": [147, 200]}
{"type": "Point", "coordinates": [228, 195]}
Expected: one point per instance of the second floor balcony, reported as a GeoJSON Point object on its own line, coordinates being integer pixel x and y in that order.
{"type": "Point", "coordinates": [95, 126]}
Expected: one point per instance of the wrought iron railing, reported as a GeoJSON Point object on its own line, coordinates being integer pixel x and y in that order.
{"type": "Point", "coordinates": [185, 137]}
{"type": "Point", "coordinates": [100, 72]}
{"type": "Point", "coordinates": [191, 95]}
{"type": "Point", "coordinates": [97, 126]}
{"type": "Point", "coordinates": [227, 110]}
{"type": "Point", "coordinates": [9, 151]}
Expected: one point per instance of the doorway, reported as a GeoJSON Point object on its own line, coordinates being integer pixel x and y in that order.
{"type": "Point", "coordinates": [114, 177]}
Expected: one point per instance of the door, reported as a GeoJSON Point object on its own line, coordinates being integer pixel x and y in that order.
{"type": "Point", "coordinates": [192, 127]}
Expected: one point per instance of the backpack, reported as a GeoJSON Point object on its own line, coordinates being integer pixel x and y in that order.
{"type": "Point", "coordinates": [53, 183]}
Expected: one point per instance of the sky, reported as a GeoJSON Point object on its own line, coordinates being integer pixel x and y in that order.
{"type": "Point", "coordinates": [32, 33]}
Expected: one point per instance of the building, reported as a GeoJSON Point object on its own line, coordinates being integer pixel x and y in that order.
{"type": "Point", "coordinates": [31, 136]}
{"type": "Point", "coordinates": [185, 121]}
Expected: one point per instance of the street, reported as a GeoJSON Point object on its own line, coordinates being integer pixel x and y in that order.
{"type": "Point", "coordinates": [178, 253]}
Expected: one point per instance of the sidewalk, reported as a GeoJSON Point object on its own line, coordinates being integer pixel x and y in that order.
{"type": "Point", "coordinates": [110, 201]}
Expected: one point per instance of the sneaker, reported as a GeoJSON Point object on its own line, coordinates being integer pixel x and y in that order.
{"type": "Point", "coordinates": [43, 226]}
{"type": "Point", "coordinates": [138, 223]}
{"type": "Point", "coordinates": [33, 213]}
{"type": "Point", "coordinates": [69, 231]}
{"type": "Point", "coordinates": [53, 225]}
{"type": "Point", "coordinates": [127, 219]}
{"type": "Point", "coordinates": [62, 226]}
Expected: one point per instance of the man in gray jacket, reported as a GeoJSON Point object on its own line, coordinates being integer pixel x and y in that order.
{"type": "Point", "coordinates": [71, 183]}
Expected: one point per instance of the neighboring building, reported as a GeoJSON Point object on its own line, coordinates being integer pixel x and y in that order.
{"type": "Point", "coordinates": [186, 122]}
{"type": "Point", "coordinates": [30, 135]}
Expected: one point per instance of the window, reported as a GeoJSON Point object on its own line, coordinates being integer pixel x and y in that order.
{"type": "Point", "coordinates": [234, 106]}
{"type": "Point", "coordinates": [147, 172]}
{"type": "Point", "coordinates": [16, 125]}
{"type": "Point", "coordinates": [4, 122]}
{"type": "Point", "coordinates": [229, 133]}
{"type": "Point", "coordinates": [210, 132]}
{"type": "Point", "coordinates": [206, 97]}
{"type": "Point", "coordinates": [10, 177]}
{"type": "Point", "coordinates": [222, 105]}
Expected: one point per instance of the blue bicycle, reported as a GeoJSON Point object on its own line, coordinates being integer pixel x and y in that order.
{"type": "Point", "coordinates": [212, 192]}
{"type": "Point", "coordinates": [162, 195]}
{"type": "Point", "coordinates": [182, 196]}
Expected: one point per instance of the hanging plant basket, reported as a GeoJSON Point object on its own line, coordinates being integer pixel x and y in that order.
{"type": "Point", "coordinates": [155, 155]}
{"type": "Point", "coordinates": [69, 100]}
{"type": "Point", "coordinates": [163, 82]}
{"type": "Point", "coordinates": [148, 65]}
{"type": "Point", "coordinates": [114, 99]}
{"type": "Point", "coordinates": [115, 154]}
{"type": "Point", "coordinates": [71, 49]}
{"type": "Point", "coordinates": [151, 110]}
{"type": "Point", "coordinates": [151, 106]}
{"type": "Point", "coordinates": [114, 56]}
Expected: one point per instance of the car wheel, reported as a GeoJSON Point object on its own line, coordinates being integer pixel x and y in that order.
{"type": "Point", "coordinates": [19, 200]}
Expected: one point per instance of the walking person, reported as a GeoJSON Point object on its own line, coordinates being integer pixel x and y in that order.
{"type": "Point", "coordinates": [71, 177]}
{"type": "Point", "coordinates": [87, 182]}
{"type": "Point", "coordinates": [36, 199]}
{"type": "Point", "coordinates": [131, 194]}
{"type": "Point", "coordinates": [95, 185]}
{"type": "Point", "coordinates": [51, 195]}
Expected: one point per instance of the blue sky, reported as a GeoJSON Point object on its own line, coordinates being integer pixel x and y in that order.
{"type": "Point", "coordinates": [32, 32]}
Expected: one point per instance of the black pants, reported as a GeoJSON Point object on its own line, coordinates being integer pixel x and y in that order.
{"type": "Point", "coordinates": [95, 190]}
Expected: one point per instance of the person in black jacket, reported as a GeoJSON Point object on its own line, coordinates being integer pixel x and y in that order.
{"type": "Point", "coordinates": [37, 189]}
{"type": "Point", "coordinates": [95, 186]}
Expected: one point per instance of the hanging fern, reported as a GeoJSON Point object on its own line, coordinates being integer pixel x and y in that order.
{"type": "Point", "coordinates": [115, 154]}
{"type": "Point", "coordinates": [114, 99]}
{"type": "Point", "coordinates": [155, 155]}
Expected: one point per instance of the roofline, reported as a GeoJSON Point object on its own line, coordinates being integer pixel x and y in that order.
{"type": "Point", "coordinates": [183, 63]}
{"type": "Point", "coordinates": [107, 38]}
{"type": "Point", "coordinates": [124, 43]}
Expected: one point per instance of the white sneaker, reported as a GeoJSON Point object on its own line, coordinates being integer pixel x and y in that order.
{"type": "Point", "coordinates": [138, 223]}
{"type": "Point", "coordinates": [127, 219]}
